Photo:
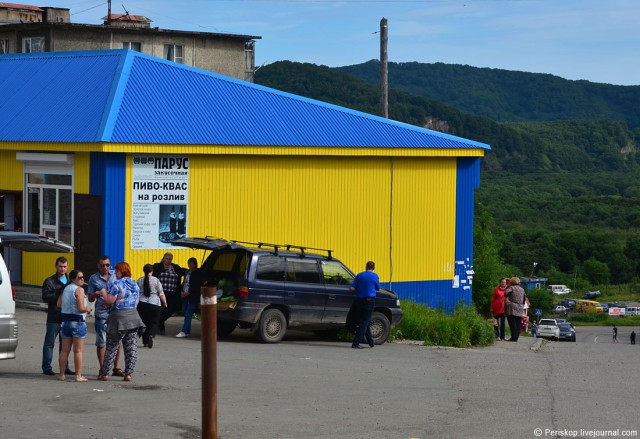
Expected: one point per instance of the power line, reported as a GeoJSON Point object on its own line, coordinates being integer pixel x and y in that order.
{"type": "Point", "coordinates": [88, 9]}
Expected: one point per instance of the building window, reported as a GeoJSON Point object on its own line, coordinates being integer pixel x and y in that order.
{"type": "Point", "coordinates": [4, 47]}
{"type": "Point", "coordinates": [33, 44]}
{"type": "Point", "coordinates": [48, 195]}
{"type": "Point", "coordinates": [173, 53]}
{"type": "Point", "coordinates": [132, 45]}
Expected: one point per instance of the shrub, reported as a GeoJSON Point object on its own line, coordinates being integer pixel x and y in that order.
{"type": "Point", "coordinates": [464, 328]}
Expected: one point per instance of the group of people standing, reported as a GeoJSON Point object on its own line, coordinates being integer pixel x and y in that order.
{"type": "Point", "coordinates": [509, 302]}
{"type": "Point", "coordinates": [124, 310]}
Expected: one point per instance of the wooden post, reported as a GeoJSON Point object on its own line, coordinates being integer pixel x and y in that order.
{"type": "Point", "coordinates": [384, 72]}
{"type": "Point", "coordinates": [209, 346]}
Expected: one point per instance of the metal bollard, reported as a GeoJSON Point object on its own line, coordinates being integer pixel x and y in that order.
{"type": "Point", "coordinates": [209, 340]}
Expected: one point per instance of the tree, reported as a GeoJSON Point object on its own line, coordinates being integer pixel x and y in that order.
{"type": "Point", "coordinates": [488, 265]}
{"type": "Point", "coordinates": [596, 272]}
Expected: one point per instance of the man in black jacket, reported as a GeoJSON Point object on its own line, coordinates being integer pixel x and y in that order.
{"type": "Point", "coordinates": [51, 290]}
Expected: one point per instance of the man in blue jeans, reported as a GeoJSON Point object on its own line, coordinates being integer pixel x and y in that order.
{"type": "Point", "coordinates": [51, 289]}
{"type": "Point", "coordinates": [366, 284]}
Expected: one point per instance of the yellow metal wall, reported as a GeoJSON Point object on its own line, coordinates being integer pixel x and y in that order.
{"type": "Point", "coordinates": [424, 219]}
{"type": "Point", "coordinates": [11, 175]}
{"type": "Point", "coordinates": [341, 203]}
{"type": "Point", "coordinates": [81, 170]}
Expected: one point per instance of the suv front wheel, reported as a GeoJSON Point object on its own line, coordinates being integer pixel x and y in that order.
{"type": "Point", "coordinates": [271, 327]}
{"type": "Point", "coordinates": [380, 327]}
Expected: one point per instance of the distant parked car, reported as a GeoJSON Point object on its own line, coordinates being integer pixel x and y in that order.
{"type": "Point", "coordinates": [561, 309]}
{"type": "Point", "coordinates": [567, 332]}
{"type": "Point", "coordinates": [588, 306]}
{"type": "Point", "coordinates": [591, 295]}
{"type": "Point", "coordinates": [605, 308]}
{"type": "Point", "coordinates": [559, 289]}
{"type": "Point", "coordinates": [569, 303]}
{"type": "Point", "coordinates": [548, 328]}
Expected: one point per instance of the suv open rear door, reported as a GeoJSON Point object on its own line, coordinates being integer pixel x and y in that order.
{"type": "Point", "coordinates": [206, 243]}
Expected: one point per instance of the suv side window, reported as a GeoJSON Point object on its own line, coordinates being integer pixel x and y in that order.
{"type": "Point", "coordinates": [270, 268]}
{"type": "Point", "coordinates": [303, 270]}
{"type": "Point", "coordinates": [335, 274]}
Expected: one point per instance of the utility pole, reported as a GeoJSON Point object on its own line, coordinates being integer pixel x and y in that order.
{"type": "Point", "coordinates": [384, 72]}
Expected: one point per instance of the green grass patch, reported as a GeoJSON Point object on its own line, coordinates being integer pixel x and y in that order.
{"type": "Point", "coordinates": [464, 328]}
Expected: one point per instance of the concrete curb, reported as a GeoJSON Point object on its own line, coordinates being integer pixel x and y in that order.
{"type": "Point", "coordinates": [537, 345]}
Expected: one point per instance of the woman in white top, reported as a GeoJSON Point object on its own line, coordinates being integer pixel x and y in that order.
{"type": "Point", "coordinates": [152, 300]}
{"type": "Point", "coordinates": [73, 330]}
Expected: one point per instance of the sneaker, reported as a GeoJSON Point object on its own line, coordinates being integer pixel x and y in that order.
{"type": "Point", "coordinates": [182, 335]}
{"type": "Point", "coordinates": [49, 372]}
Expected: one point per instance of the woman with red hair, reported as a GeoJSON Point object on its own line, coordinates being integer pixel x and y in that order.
{"type": "Point", "coordinates": [124, 323]}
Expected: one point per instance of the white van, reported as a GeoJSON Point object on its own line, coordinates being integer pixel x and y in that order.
{"type": "Point", "coordinates": [631, 311]}
{"type": "Point", "coordinates": [559, 289]}
{"type": "Point", "coordinates": [8, 322]}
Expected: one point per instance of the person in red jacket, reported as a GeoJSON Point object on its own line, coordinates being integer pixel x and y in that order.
{"type": "Point", "coordinates": [497, 307]}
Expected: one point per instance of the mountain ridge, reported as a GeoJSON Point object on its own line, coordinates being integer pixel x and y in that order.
{"type": "Point", "coordinates": [505, 95]}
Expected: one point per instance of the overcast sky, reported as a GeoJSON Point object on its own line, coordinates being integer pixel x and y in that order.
{"type": "Point", "coordinates": [597, 40]}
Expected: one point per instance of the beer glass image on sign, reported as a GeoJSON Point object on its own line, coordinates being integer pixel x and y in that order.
{"type": "Point", "coordinates": [172, 222]}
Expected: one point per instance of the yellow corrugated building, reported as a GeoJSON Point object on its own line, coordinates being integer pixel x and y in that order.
{"type": "Point", "coordinates": [122, 170]}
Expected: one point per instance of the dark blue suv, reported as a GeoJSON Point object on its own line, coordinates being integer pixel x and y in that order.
{"type": "Point", "coordinates": [270, 288]}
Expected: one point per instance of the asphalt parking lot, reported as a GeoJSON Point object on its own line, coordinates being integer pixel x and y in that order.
{"type": "Point", "coordinates": [308, 388]}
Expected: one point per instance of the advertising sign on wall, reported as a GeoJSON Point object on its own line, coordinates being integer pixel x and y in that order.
{"type": "Point", "coordinates": [160, 189]}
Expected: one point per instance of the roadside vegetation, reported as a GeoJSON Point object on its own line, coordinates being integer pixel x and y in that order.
{"type": "Point", "coordinates": [463, 328]}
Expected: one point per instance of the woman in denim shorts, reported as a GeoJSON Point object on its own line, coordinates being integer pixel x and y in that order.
{"type": "Point", "coordinates": [73, 329]}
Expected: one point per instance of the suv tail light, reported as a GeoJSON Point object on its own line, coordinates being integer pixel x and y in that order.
{"type": "Point", "coordinates": [242, 293]}
{"type": "Point", "coordinates": [13, 293]}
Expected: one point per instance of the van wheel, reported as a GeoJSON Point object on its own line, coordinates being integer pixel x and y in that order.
{"type": "Point", "coordinates": [225, 328]}
{"type": "Point", "coordinates": [380, 327]}
{"type": "Point", "coordinates": [271, 327]}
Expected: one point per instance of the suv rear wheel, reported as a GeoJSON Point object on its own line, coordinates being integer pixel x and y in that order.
{"type": "Point", "coordinates": [380, 327]}
{"type": "Point", "coordinates": [272, 326]}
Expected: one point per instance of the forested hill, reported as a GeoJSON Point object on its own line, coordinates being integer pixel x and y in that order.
{"type": "Point", "coordinates": [563, 188]}
{"type": "Point", "coordinates": [575, 146]}
{"type": "Point", "coordinates": [508, 95]}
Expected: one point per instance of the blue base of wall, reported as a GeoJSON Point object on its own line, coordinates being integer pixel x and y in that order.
{"type": "Point", "coordinates": [435, 294]}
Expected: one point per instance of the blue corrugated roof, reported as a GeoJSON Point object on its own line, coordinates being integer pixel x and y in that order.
{"type": "Point", "coordinates": [122, 96]}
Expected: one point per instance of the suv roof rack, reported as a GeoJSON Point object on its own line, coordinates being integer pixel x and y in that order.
{"type": "Point", "coordinates": [288, 247]}
{"type": "Point", "coordinates": [275, 247]}
{"type": "Point", "coordinates": [302, 249]}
